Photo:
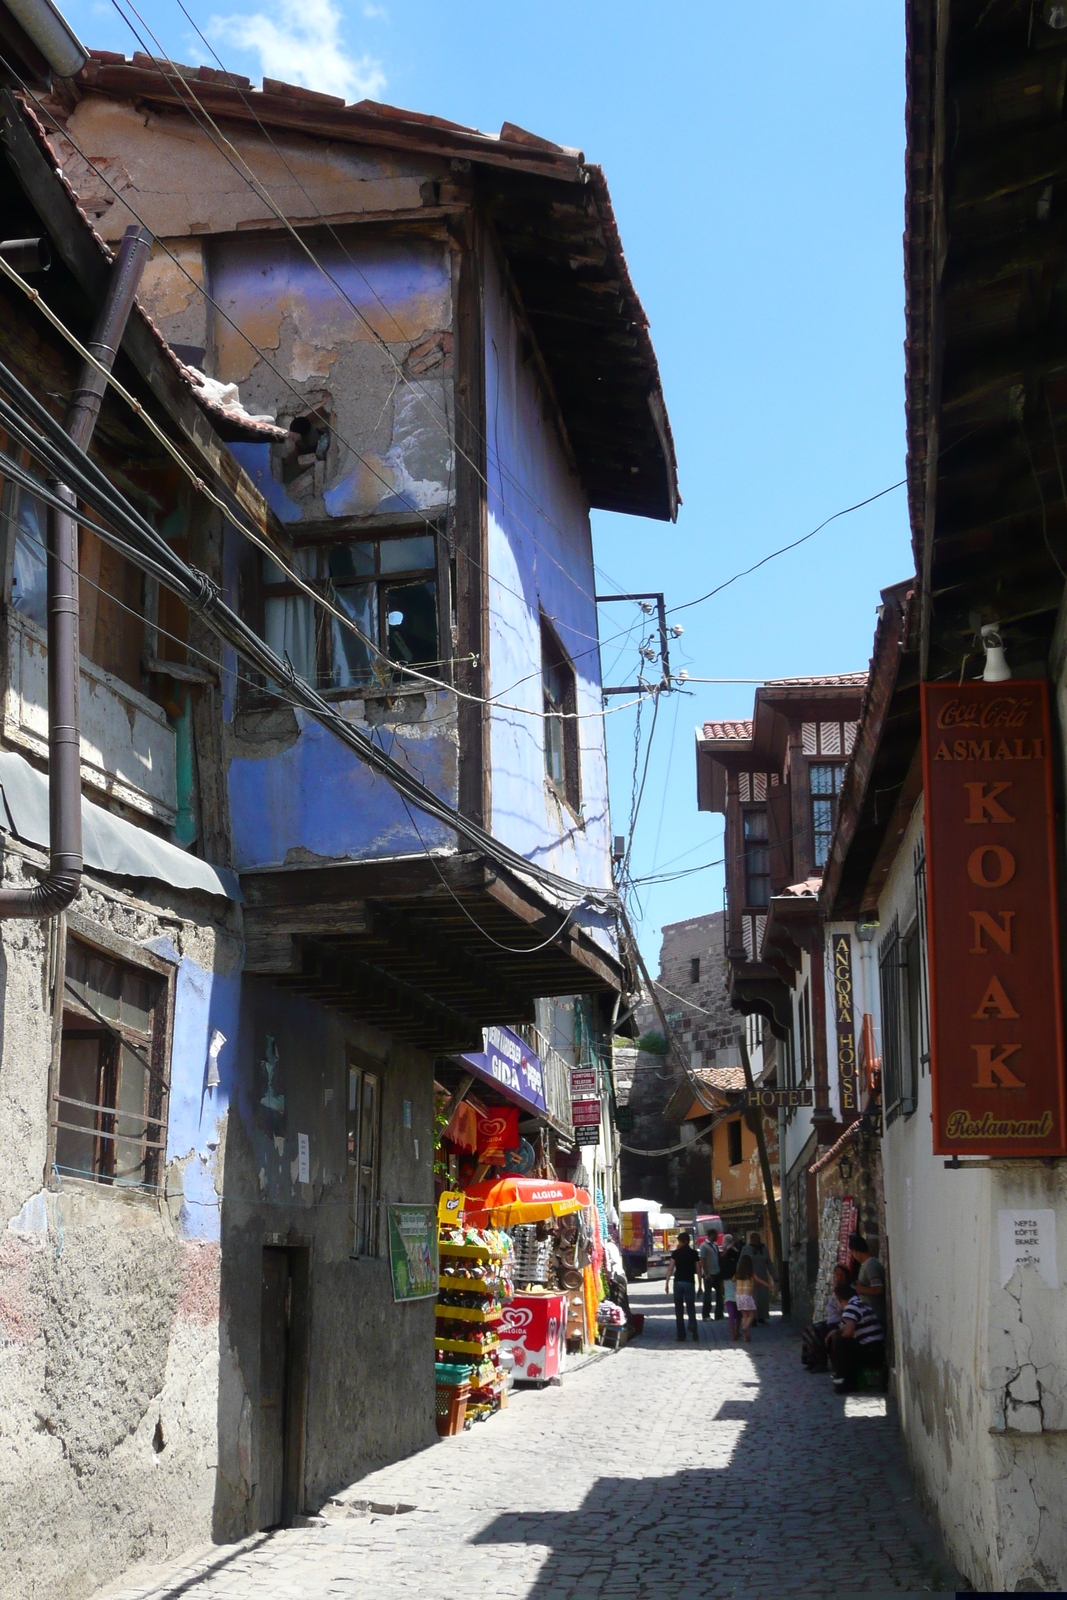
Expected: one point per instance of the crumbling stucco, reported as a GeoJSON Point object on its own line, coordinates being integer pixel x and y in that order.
{"type": "Point", "coordinates": [181, 183]}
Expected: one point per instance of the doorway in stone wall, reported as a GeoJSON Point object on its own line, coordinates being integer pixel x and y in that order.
{"type": "Point", "coordinates": [282, 1383]}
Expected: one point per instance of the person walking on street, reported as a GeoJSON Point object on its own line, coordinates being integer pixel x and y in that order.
{"type": "Point", "coordinates": [745, 1285]}
{"type": "Point", "coordinates": [765, 1276]}
{"type": "Point", "coordinates": [683, 1266]}
{"type": "Point", "coordinates": [728, 1255]}
{"type": "Point", "coordinates": [711, 1277]}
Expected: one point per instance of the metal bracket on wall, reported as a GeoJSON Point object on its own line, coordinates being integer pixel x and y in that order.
{"type": "Point", "coordinates": [641, 687]}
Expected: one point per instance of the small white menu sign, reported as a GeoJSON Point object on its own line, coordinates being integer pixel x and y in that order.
{"type": "Point", "coordinates": [303, 1158]}
{"type": "Point", "coordinates": [1028, 1238]}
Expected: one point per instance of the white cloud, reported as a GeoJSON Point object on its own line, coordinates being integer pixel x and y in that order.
{"type": "Point", "coordinates": [375, 13]}
{"type": "Point", "coordinates": [303, 46]}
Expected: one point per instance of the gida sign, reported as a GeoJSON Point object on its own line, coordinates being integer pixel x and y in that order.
{"type": "Point", "coordinates": [996, 1037]}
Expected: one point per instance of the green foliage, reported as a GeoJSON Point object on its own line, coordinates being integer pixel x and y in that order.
{"type": "Point", "coordinates": [654, 1043]}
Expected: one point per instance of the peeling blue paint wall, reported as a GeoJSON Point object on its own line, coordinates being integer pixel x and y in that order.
{"type": "Point", "coordinates": [540, 548]}
{"type": "Point", "coordinates": [204, 1001]}
{"type": "Point", "coordinates": [318, 798]}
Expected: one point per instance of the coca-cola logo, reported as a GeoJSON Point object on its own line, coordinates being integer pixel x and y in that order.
{"type": "Point", "coordinates": [1004, 712]}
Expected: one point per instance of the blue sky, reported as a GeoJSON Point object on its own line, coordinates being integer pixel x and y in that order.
{"type": "Point", "coordinates": [755, 156]}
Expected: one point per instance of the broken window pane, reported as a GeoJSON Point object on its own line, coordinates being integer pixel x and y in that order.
{"type": "Point", "coordinates": [411, 622]}
{"type": "Point", "coordinates": [347, 561]}
{"type": "Point", "coordinates": [129, 1127]}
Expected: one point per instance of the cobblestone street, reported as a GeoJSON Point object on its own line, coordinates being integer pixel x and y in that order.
{"type": "Point", "coordinates": [662, 1470]}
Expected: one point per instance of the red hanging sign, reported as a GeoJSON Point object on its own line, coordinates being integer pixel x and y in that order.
{"type": "Point", "coordinates": [498, 1132]}
{"type": "Point", "coordinates": [996, 1029]}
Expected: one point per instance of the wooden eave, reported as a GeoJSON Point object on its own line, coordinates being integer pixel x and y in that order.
{"type": "Point", "coordinates": [432, 949]}
{"type": "Point", "coordinates": [884, 778]}
{"type": "Point", "coordinates": [782, 706]}
{"type": "Point", "coordinates": [553, 215]}
{"type": "Point", "coordinates": [986, 321]}
{"type": "Point", "coordinates": [763, 988]}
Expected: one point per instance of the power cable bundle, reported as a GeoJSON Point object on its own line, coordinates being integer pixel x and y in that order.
{"type": "Point", "coordinates": [128, 532]}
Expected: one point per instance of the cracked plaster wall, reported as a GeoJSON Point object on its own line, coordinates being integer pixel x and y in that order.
{"type": "Point", "coordinates": [981, 1368]}
{"type": "Point", "coordinates": [109, 1300]}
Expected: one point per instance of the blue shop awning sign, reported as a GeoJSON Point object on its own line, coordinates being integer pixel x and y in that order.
{"type": "Point", "coordinates": [507, 1062]}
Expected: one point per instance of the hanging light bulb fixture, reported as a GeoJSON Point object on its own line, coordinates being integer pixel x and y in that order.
{"type": "Point", "coordinates": [996, 662]}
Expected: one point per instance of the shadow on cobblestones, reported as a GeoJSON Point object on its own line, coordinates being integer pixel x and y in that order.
{"type": "Point", "coordinates": [662, 1472]}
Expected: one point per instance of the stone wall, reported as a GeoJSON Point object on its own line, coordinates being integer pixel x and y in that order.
{"type": "Point", "coordinates": [109, 1297]}
{"type": "Point", "coordinates": [707, 1030]}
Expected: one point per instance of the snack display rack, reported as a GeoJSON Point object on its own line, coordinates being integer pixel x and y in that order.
{"type": "Point", "coordinates": [476, 1281]}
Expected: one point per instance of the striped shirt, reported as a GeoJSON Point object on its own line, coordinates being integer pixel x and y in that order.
{"type": "Point", "coordinates": [868, 1328]}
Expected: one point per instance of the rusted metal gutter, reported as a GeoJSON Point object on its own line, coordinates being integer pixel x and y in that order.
{"type": "Point", "coordinates": [55, 892]}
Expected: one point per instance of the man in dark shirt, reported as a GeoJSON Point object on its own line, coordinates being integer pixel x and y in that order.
{"type": "Point", "coordinates": [684, 1264]}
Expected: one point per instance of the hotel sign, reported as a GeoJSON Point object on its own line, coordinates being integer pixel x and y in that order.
{"type": "Point", "coordinates": [841, 949]}
{"type": "Point", "coordinates": [996, 1033]}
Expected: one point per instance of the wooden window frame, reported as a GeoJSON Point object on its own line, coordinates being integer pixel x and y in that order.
{"type": "Point", "coordinates": [554, 656]}
{"type": "Point", "coordinates": [124, 952]}
{"type": "Point", "coordinates": [815, 798]}
{"type": "Point", "coordinates": [255, 592]}
{"type": "Point", "coordinates": [366, 1232]}
{"type": "Point", "coordinates": [750, 847]}
{"type": "Point", "coordinates": [805, 1052]}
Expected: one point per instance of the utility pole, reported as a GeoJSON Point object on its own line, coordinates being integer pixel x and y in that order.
{"type": "Point", "coordinates": [765, 1167]}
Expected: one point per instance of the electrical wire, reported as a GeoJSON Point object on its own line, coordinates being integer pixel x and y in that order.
{"type": "Point", "coordinates": [262, 356]}
{"type": "Point", "coordinates": [685, 605]}
{"type": "Point", "coordinates": [245, 172]}
{"type": "Point", "coordinates": [147, 549]}
{"type": "Point", "coordinates": [288, 700]}
{"type": "Point", "coordinates": [199, 288]}
{"type": "Point", "coordinates": [286, 382]}
{"type": "Point", "coordinates": [336, 613]}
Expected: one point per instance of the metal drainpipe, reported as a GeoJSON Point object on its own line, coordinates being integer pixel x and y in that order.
{"type": "Point", "coordinates": [55, 892]}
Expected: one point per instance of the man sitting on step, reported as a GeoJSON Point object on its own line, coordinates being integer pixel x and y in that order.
{"type": "Point", "coordinates": [857, 1344]}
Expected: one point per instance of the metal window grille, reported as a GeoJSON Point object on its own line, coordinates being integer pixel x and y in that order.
{"type": "Point", "coordinates": [109, 1108]}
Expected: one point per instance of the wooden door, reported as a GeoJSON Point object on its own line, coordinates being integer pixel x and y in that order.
{"type": "Point", "coordinates": [274, 1364]}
